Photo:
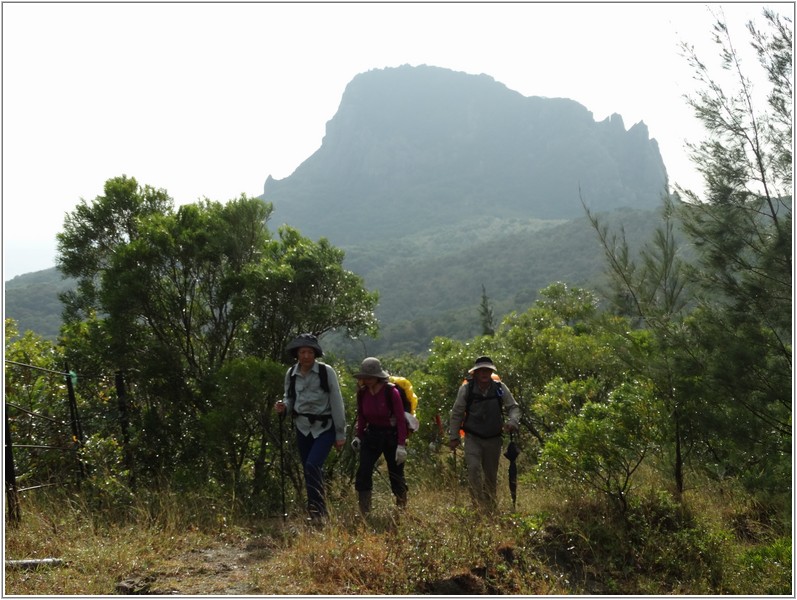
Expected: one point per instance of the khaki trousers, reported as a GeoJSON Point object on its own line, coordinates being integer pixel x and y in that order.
{"type": "Point", "coordinates": [482, 456]}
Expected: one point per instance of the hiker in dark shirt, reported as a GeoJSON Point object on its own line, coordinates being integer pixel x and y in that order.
{"type": "Point", "coordinates": [318, 415]}
{"type": "Point", "coordinates": [381, 430]}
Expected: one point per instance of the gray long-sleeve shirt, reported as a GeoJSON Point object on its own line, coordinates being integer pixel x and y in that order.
{"type": "Point", "coordinates": [311, 399]}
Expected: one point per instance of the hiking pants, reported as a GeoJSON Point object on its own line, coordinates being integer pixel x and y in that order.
{"type": "Point", "coordinates": [313, 452]}
{"type": "Point", "coordinates": [482, 456]}
{"type": "Point", "coordinates": [378, 442]}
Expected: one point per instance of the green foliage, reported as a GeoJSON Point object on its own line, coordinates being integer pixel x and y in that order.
{"type": "Point", "coordinates": [194, 303]}
{"type": "Point", "coordinates": [605, 443]}
{"type": "Point", "coordinates": [436, 386]}
{"type": "Point", "coordinates": [37, 410]}
{"type": "Point", "coordinates": [241, 425]}
{"type": "Point", "coordinates": [486, 314]}
{"type": "Point", "coordinates": [766, 569]}
{"type": "Point", "coordinates": [742, 232]}
{"type": "Point", "coordinates": [562, 400]}
{"type": "Point", "coordinates": [93, 232]}
{"type": "Point", "coordinates": [557, 340]}
{"type": "Point", "coordinates": [106, 488]}
{"type": "Point", "coordinates": [300, 285]}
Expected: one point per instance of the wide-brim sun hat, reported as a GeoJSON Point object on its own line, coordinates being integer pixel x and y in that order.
{"type": "Point", "coordinates": [304, 340]}
{"type": "Point", "coordinates": [483, 362]}
{"type": "Point", "coordinates": [371, 367]}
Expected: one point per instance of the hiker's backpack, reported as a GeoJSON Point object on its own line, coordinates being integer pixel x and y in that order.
{"type": "Point", "coordinates": [484, 421]}
{"type": "Point", "coordinates": [323, 375]}
{"type": "Point", "coordinates": [408, 399]}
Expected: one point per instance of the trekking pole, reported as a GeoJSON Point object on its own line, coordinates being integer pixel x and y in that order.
{"type": "Point", "coordinates": [282, 465]}
{"type": "Point", "coordinates": [456, 477]}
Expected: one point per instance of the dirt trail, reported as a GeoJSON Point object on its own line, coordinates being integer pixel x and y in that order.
{"type": "Point", "coordinates": [222, 569]}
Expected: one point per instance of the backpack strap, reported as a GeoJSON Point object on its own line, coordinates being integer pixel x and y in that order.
{"type": "Point", "coordinates": [388, 395]}
{"type": "Point", "coordinates": [499, 395]}
{"type": "Point", "coordinates": [323, 375]}
{"type": "Point", "coordinates": [292, 384]}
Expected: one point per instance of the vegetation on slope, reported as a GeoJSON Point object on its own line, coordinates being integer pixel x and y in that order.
{"type": "Point", "coordinates": [554, 542]}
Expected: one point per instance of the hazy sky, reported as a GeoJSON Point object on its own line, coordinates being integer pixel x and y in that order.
{"type": "Point", "coordinates": [208, 99]}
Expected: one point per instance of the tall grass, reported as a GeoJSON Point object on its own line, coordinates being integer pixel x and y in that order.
{"type": "Point", "coordinates": [557, 541]}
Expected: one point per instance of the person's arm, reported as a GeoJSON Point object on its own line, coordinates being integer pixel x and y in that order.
{"type": "Point", "coordinates": [336, 406]}
{"type": "Point", "coordinates": [511, 409]}
{"type": "Point", "coordinates": [285, 405]}
{"type": "Point", "coordinates": [457, 413]}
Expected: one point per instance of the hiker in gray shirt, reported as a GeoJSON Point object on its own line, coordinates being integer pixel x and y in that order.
{"type": "Point", "coordinates": [482, 405]}
{"type": "Point", "coordinates": [314, 401]}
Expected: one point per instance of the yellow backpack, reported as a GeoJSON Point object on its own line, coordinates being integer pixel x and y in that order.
{"type": "Point", "coordinates": [409, 399]}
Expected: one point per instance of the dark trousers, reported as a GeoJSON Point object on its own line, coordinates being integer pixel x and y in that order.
{"type": "Point", "coordinates": [379, 442]}
{"type": "Point", "coordinates": [313, 452]}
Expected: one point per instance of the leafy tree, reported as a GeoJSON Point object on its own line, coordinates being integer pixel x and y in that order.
{"type": "Point", "coordinates": [191, 300]}
{"type": "Point", "coordinates": [604, 445]}
{"type": "Point", "coordinates": [301, 286]}
{"type": "Point", "coordinates": [38, 411]}
{"type": "Point", "coordinates": [742, 231]}
{"type": "Point", "coordinates": [652, 288]}
{"type": "Point", "coordinates": [93, 232]}
{"type": "Point", "coordinates": [447, 365]}
{"type": "Point", "coordinates": [558, 339]}
{"type": "Point", "coordinates": [486, 314]}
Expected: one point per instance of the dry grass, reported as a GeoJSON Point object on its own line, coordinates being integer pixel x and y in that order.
{"type": "Point", "coordinates": [556, 542]}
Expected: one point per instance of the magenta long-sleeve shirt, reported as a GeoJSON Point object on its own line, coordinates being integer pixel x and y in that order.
{"type": "Point", "coordinates": [374, 410]}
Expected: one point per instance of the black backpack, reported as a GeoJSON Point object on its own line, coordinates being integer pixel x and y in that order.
{"type": "Point", "coordinates": [323, 375]}
{"type": "Point", "coordinates": [495, 426]}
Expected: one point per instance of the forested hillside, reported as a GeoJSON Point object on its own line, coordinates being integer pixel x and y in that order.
{"type": "Point", "coordinates": [32, 301]}
{"type": "Point", "coordinates": [428, 283]}
{"type": "Point", "coordinates": [432, 285]}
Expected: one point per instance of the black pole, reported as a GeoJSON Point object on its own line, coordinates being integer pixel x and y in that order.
{"type": "Point", "coordinates": [124, 424]}
{"type": "Point", "coordinates": [77, 432]}
{"type": "Point", "coordinates": [11, 477]}
{"type": "Point", "coordinates": [282, 464]}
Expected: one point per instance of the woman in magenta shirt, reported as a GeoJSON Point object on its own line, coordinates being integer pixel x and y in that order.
{"type": "Point", "coordinates": [381, 431]}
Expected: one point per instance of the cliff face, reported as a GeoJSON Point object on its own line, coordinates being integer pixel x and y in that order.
{"type": "Point", "coordinates": [427, 146]}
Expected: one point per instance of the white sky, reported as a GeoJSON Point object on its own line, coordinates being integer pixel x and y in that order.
{"type": "Point", "coordinates": [208, 99]}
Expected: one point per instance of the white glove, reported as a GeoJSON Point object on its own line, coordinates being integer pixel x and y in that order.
{"type": "Point", "coordinates": [355, 444]}
{"type": "Point", "coordinates": [510, 427]}
{"type": "Point", "coordinates": [401, 455]}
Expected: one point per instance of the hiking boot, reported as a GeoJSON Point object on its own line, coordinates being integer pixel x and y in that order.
{"type": "Point", "coordinates": [401, 501]}
{"type": "Point", "coordinates": [364, 498]}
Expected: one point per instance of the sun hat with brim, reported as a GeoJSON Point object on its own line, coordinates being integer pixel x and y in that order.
{"type": "Point", "coordinates": [304, 340]}
{"type": "Point", "coordinates": [483, 362]}
{"type": "Point", "coordinates": [371, 367]}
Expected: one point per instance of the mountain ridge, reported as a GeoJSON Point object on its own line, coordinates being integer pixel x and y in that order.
{"type": "Point", "coordinates": [443, 144]}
